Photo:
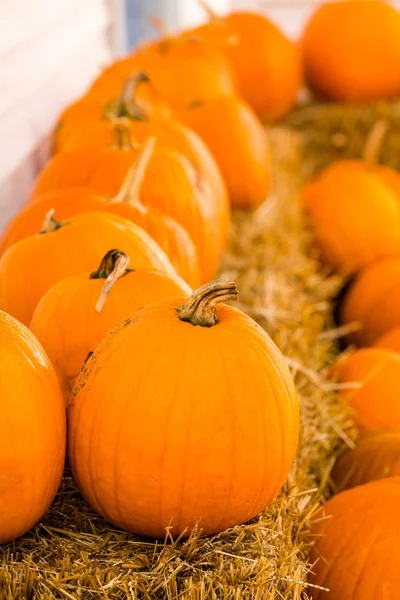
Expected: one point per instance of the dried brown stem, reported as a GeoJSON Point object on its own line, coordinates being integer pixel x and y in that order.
{"type": "Point", "coordinates": [50, 222]}
{"type": "Point", "coordinates": [112, 267]}
{"type": "Point", "coordinates": [129, 192]}
{"type": "Point", "coordinates": [201, 307]}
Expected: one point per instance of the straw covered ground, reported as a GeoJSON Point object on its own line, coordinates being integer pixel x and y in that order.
{"type": "Point", "coordinates": [74, 554]}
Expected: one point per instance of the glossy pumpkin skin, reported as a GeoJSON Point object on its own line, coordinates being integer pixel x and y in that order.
{"type": "Point", "coordinates": [170, 183]}
{"type": "Point", "coordinates": [189, 459]}
{"type": "Point", "coordinates": [259, 53]}
{"type": "Point", "coordinates": [95, 134]}
{"type": "Point", "coordinates": [358, 538]}
{"type": "Point", "coordinates": [373, 301]}
{"type": "Point", "coordinates": [355, 216]}
{"type": "Point", "coordinates": [352, 55]}
{"type": "Point", "coordinates": [389, 340]}
{"type": "Point", "coordinates": [33, 435]}
{"type": "Point", "coordinates": [374, 457]}
{"type": "Point", "coordinates": [172, 238]}
{"type": "Point", "coordinates": [239, 143]}
{"type": "Point", "coordinates": [68, 325]}
{"type": "Point", "coordinates": [376, 401]}
{"type": "Point", "coordinates": [29, 268]}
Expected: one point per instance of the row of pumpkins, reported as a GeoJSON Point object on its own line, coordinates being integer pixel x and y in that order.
{"type": "Point", "coordinates": [180, 409]}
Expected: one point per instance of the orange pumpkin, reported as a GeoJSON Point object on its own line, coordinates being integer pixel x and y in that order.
{"type": "Point", "coordinates": [389, 340]}
{"type": "Point", "coordinates": [354, 214]}
{"type": "Point", "coordinates": [33, 434]}
{"type": "Point", "coordinates": [351, 54]}
{"type": "Point", "coordinates": [135, 96]}
{"type": "Point", "coordinates": [238, 142]}
{"type": "Point", "coordinates": [374, 457]}
{"type": "Point", "coordinates": [373, 375]}
{"type": "Point", "coordinates": [170, 183]}
{"type": "Point", "coordinates": [357, 540]}
{"type": "Point", "coordinates": [29, 268]}
{"type": "Point", "coordinates": [181, 70]}
{"type": "Point", "coordinates": [77, 312]}
{"type": "Point", "coordinates": [210, 366]}
{"type": "Point", "coordinates": [267, 65]}
{"type": "Point", "coordinates": [372, 300]}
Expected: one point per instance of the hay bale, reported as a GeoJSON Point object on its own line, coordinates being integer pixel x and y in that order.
{"type": "Point", "coordinates": [335, 131]}
{"type": "Point", "coordinates": [75, 554]}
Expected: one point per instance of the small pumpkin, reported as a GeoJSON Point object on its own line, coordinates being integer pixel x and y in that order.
{"type": "Point", "coordinates": [238, 142]}
{"type": "Point", "coordinates": [355, 216]}
{"type": "Point", "coordinates": [373, 376]}
{"type": "Point", "coordinates": [353, 55]}
{"type": "Point", "coordinates": [356, 539]}
{"type": "Point", "coordinates": [372, 300]}
{"type": "Point", "coordinates": [212, 367]}
{"type": "Point", "coordinates": [29, 268]}
{"type": "Point", "coordinates": [374, 457]}
{"type": "Point", "coordinates": [170, 183]}
{"type": "Point", "coordinates": [33, 435]}
{"type": "Point", "coordinates": [77, 312]}
{"type": "Point", "coordinates": [267, 65]}
{"type": "Point", "coordinates": [389, 340]}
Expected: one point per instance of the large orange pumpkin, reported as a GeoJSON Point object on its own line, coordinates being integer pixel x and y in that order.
{"type": "Point", "coordinates": [170, 183]}
{"type": "Point", "coordinates": [29, 268]}
{"type": "Point", "coordinates": [352, 54]}
{"type": "Point", "coordinates": [354, 214]}
{"type": "Point", "coordinates": [189, 371]}
{"type": "Point", "coordinates": [267, 65]}
{"type": "Point", "coordinates": [372, 300]}
{"type": "Point", "coordinates": [357, 543]}
{"type": "Point", "coordinates": [373, 378]}
{"type": "Point", "coordinates": [33, 432]}
{"type": "Point", "coordinates": [374, 457]}
{"type": "Point", "coordinates": [239, 143]}
{"type": "Point", "coordinates": [77, 312]}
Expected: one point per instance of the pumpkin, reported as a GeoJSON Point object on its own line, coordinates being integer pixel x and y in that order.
{"type": "Point", "coordinates": [374, 457]}
{"type": "Point", "coordinates": [33, 433]}
{"type": "Point", "coordinates": [389, 340]}
{"type": "Point", "coordinates": [239, 143]}
{"type": "Point", "coordinates": [135, 97]}
{"type": "Point", "coordinates": [356, 539]}
{"type": "Point", "coordinates": [355, 216]}
{"type": "Point", "coordinates": [29, 268]}
{"type": "Point", "coordinates": [181, 70]}
{"type": "Point", "coordinates": [77, 312]}
{"type": "Point", "coordinates": [373, 378]}
{"type": "Point", "coordinates": [353, 55]}
{"type": "Point", "coordinates": [188, 371]}
{"type": "Point", "coordinates": [267, 65]}
{"type": "Point", "coordinates": [170, 183]}
{"type": "Point", "coordinates": [372, 300]}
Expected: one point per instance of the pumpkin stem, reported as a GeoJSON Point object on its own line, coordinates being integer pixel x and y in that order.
{"type": "Point", "coordinates": [159, 25]}
{"type": "Point", "coordinates": [126, 105]}
{"type": "Point", "coordinates": [211, 14]}
{"type": "Point", "coordinates": [112, 267]}
{"type": "Point", "coordinates": [374, 142]}
{"type": "Point", "coordinates": [129, 192]}
{"type": "Point", "coordinates": [122, 139]}
{"type": "Point", "coordinates": [50, 223]}
{"type": "Point", "coordinates": [201, 307]}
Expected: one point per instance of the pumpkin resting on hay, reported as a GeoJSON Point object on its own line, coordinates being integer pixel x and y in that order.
{"type": "Point", "coordinates": [33, 435]}
{"type": "Point", "coordinates": [189, 459]}
{"type": "Point", "coordinates": [351, 51]}
{"type": "Point", "coordinates": [374, 457]}
{"type": "Point", "coordinates": [73, 317]}
{"type": "Point", "coordinates": [357, 542]}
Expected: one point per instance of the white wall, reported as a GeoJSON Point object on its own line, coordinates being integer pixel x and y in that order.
{"type": "Point", "coordinates": [49, 52]}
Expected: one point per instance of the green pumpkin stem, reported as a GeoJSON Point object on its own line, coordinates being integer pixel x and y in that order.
{"type": "Point", "coordinates": [201, 308]}
{"type": "Point", "coordinates": [129, 192]}
{"type": "Point", "coordinates": [126, 105]}
{"type": "Point", "coordinates": [50, 223]}
{"type": "Point", "coordinates": [113, 266]}
{"type": "Point", "coordinates": [374, 142]}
